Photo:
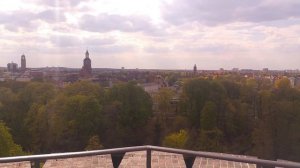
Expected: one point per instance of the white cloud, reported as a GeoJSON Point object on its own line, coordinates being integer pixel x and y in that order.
{"type": "Point", "coordinates": [215, 12]}
{"type": "Point", "coordinates": [153, 34]}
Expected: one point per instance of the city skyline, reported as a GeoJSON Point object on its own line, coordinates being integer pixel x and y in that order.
{"type": "Point", "coordinates": [168, 34]}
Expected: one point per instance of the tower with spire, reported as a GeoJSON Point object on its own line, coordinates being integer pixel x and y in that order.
{"type": "Point", "coordinates": [195, 69]}
{"type": "Point", "coordinates": [86, 70]}
{"type": "Point", "coordinates": [23, 63]}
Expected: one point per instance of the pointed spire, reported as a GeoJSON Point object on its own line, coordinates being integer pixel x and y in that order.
{"type": "Point", "coordinates": [87, 54]}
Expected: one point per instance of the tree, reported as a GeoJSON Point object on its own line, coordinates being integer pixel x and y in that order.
{"type": "Point", "coordinates": [7, 145]}
{"type": "Point", "coordinates": [130, 109]}
{"type": "Point", "coordinates": [8, 101]}
{"type": "Point", "coordinates": [162, 99]}
{"type": "Point", "coordinates": [238, 127]}
{"type": "Point", "coordinates": [94, 143]}
{"type": "Point", "coordinates": [283, 83]}
{"type": "Point", "coordinates": [63, 121]}
{"type": "Point", "coordinates": [12, 112]}
{"type": "Point", "coordinates": [73, 120]}
{"type": "Point", "coordinates": [36, 123]}
{"type": "Point", "coordinates": [33, 93]}
{"type": "Point", "coordinates": [210, 136]}
{"type": "Point", "coordinates": [210, 140]}
{"type": "Point", "coordinates": [276, 135]}
{"type": "Point", "coordinates": [37, 92]}
{"type": "Point", "coordinates": [232, 89]}
{"type": "Point", "coordinates": [209, 116]}
{"type": "Point", "coordinates": [85, 88]}
{"type": "Point", "coordinates": [176, 140]}
{"type": "Point", "coordinates": [173, 78]}
{"type": "Point", "coordinates": [195, 94]}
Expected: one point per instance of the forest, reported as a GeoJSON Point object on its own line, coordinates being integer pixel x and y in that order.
{"type": "Point", "coordinates": [229, 114]}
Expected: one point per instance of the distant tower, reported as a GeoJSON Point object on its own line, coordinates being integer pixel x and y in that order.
{"type": "Point", "coordinates": [23, 63]}
{"type": "Point", "coordinates": [86, 70]}
{"type": "Point", "coordinates": [195, 69]}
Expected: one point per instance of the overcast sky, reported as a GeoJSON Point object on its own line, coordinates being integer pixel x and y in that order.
{"type": "Point", "coordinates": [165, 34]}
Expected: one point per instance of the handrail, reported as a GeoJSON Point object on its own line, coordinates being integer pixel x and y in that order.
{"type": "Point", "coordinates": [227, 157]}
{"type": "Point", "coordinates": [71, 154]}
{"type": "Point", "coordinates": [148, 148]}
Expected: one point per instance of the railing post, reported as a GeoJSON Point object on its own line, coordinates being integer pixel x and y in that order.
{"type": "Point", "coordinates": [117, 159]}
{"type": "Point", "coordinates": [148, 159]}
{"type": "Point", "coordinates": [35, 164]}
{"type": "Point", "coordinates": [259, 166]}
{"type": "Point", "coordinates": [189, 160]}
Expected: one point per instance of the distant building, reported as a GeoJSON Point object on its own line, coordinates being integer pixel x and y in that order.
{"type": "Point", "coordinates": [36, 74]}
{"type": "Point", "coordinates": [71, 78]}
{"type": "Point", "coordinates": [23, 63]}
{"type": "Point", "coordinates": [12, 67]}
{"type": "Point", "coordinates": [86, 70]}
{"type": "Point", "coordinates": [221, 70]}
{"type": "Point", "coordinates": [265, 70]}
{"type": "Point", "coordinates": [235, 69]}
{"type": "Point", "coordinates": [195, 69]}
{"type": "Point", "coordinates": [292, 81]}
{"type": "Point", "coordinates": [151, 88]}
{"type": "Point", "coordinates": [23, 79]}
{"type": "Point", "coordinates": [297, 82]}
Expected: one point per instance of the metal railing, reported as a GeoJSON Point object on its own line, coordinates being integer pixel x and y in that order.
{"type": "Point", "coordinates": [117, 155]}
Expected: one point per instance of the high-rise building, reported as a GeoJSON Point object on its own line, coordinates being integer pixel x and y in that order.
{"type": "Point", "coordinates": [23, 63]}
{"type": "Point", "coordinates": [86, 70]}
{"type": "Point", "coordinates": [12, 67]}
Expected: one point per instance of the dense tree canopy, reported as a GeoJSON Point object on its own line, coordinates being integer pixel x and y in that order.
{"type": "Point", "coordinates": [231, 114]}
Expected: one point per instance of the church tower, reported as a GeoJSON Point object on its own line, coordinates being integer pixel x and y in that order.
{"type": "Point", "coordinates": [86, 70]}
{"type": "Point", "coordinates": [195, 69]}
{"type": "Point", "coordinates": [23, 63]}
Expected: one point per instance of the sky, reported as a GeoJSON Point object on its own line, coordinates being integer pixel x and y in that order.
{"type": "Point", "coordinates": [152, 34]}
